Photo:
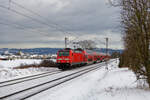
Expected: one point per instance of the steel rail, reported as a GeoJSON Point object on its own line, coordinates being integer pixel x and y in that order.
{"type": "Point", "coordinates": [72, 75]}
{"type": "Point", "coordinates": [59, 83]}
{"type": "Point", "coordinates": [54, 80]}
{"type": "Point", "coordinates": [29, 78]}
{"type": "Point", "coordinates": [23, 79]}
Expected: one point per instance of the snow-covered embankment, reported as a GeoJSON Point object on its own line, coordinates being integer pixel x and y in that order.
{"type": "Point", "coordinates": [112, 84]}
{"type": "Point", "coordinates": [7, 71]}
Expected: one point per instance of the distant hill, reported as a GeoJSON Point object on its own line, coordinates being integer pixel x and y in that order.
{"type": "Point", "coordinates": [111, 50]}
{"type": "Point", "coordinates": [47, 50]}
{"type": "Point", "coordinates": [32, 50]}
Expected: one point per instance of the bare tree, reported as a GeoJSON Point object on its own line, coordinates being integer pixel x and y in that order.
{"type": "Point", "coordinates": [135, 16]}
{"type": "Point", "coordinates": [87, 44]}
{"type": "Point", "coordinates": [114, 3]}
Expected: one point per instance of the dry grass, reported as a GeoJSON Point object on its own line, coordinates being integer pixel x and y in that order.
{"type": "Point", "coordinates": [48, 63]}
{"type": "Point", "coordinates": [44, 63]}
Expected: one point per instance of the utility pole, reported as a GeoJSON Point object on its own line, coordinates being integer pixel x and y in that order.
{"type": "Point", "coordinates": [106, 52]}
{"type": "Point", "coordinates": [117, 56]}
{"type": "Point", "coordinates": [65, 42]}
{"type": "Point", "coordinates": [9, 4]}
{"type": "Point", "coordinates": [107, 46]}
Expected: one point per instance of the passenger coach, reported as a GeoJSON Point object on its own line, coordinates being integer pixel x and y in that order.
{"type": "Point", "coordinates": [67, 58]}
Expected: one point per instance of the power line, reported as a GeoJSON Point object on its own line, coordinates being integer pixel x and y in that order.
{"type": "Point", "coordinates": [35, 13]}
{"type": "Point", "coordinates": [33, 19]}
{"type": "Point", "coordinates": [21, 27]}
{"type": "Point", "coordinates": [6, 24]}
{"type": "Point", "coordinates": [9, 4]}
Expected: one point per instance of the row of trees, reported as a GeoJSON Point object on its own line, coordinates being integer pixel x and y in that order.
{"type": "Point", "coordinates": [87, 44]}
{"type": "Point", "coordinates": [135, 15]}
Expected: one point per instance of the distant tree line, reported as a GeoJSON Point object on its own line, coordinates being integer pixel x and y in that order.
{"type": "Point", "coordinates": [115, 54]}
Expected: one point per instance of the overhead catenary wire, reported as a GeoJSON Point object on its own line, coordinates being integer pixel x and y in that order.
{"type": "Point", "coordinates": [21, 27]}
{"type": "Point", "coordinates": [57, 27]}
{"type": "Point", "coordinates": [9, 4]}
{"type": "Point", "coordinates": [42, 17]}
{"type": "Point", "coordinates": [6, 24]}
{"type": "Point", "coordinates": [100, 41]}
{"type": "Point", "coordinates": [35, 13]}
{"type": "Point", "coordinates": [30, 17]}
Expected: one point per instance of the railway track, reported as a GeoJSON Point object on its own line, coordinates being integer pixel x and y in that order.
{"type": "Point", "coordinates": [62, 80]}
{"type": "Point", "coordinates": [36, 89]}
{"type": "Point", "coordinates": [28, 78]}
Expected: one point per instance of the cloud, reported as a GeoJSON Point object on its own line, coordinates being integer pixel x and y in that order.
{"type": "Point", "coordinates": [86, 19]}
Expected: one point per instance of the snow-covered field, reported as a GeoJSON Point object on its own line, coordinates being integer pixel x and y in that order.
{"type": "Point", "coordinates": [18, 62]}
{"type": "Point", "coordinates": [112, 84]}
{"type": "Point", "coordinates": [7, 71]}
{"type": "Point", "coordinates": [103, 84]}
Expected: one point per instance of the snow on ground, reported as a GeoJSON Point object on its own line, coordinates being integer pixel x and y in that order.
{"type": "Point", "coordinates": [112, 84]}
{"type": "Point", "coordinates": [54, 60]}
{"type": "Point", "coordinates": [7, 71]}
{"type": "Point", "coordinates": [18, 62]}
{"type": "Point", "coordinates": [2, 56]}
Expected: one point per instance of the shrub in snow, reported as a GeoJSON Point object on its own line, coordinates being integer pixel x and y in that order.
{"type": "Point", "coordinates": [48, 63]}
{"type": "Point", "coordinates": [44, 63]}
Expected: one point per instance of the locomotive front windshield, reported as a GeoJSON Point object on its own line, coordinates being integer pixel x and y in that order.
{"type": "Point", "coordinates": [64, 53]}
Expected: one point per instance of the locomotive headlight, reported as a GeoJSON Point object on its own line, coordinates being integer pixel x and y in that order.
{"type": "Point", "coordinates": [66, 59]}
{"type": "Point", "coordinates": [59, 59]}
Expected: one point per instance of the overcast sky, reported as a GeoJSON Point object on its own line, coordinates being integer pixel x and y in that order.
{"type": "Point", "coordinates": [76, 19]}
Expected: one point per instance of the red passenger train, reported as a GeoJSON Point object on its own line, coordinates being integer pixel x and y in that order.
{"type": "Point", "coordinates": [67, 58]}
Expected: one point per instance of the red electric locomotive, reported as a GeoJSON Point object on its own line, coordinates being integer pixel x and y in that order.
{"type": "Point", "coordinates": [67, 58]}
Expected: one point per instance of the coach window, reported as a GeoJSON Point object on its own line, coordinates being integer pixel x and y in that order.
{"type": "Point", "coordinates": [63, 53]}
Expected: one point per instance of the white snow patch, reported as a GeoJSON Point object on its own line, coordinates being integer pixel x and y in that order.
{"type": "Point", "coordinates": [7, 71]}
{"type": "Point", "coordinates": [112, 84]}
{"type": "Point", "coordinates": [15, 63]}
